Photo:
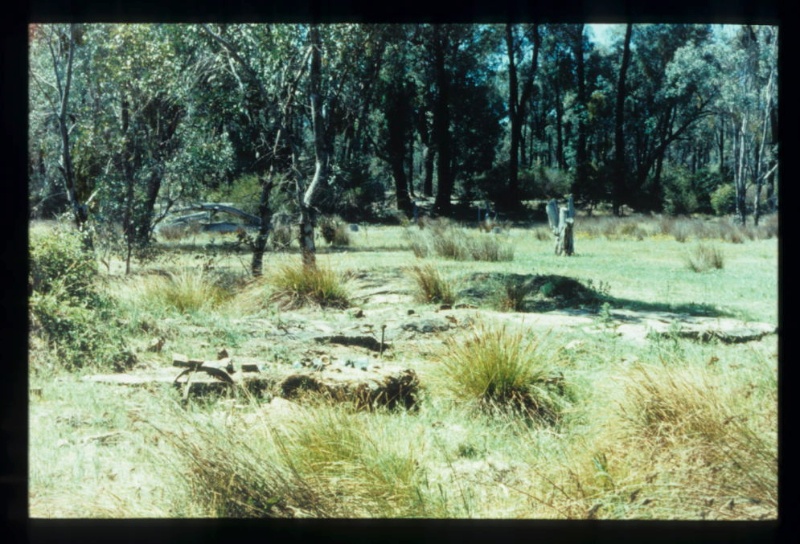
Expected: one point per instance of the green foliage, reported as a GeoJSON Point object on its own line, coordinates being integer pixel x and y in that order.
{"type": "Point", "coordinates": [295, 285]}
{"type": "Point", "coordinates": [680, 196]}
{"type": "Point", "coordinates": [59, 261]}
{"type": "Point", "coordinates": [501, 369]}
{"type": "Point", "coordinates": [244, 193]}
{"type": "Point", "coordinates": [431, 286]}
{"type": "Point", "coordinates": [66, 308]}
{"type": "Point", "coordinates": [723, 200]}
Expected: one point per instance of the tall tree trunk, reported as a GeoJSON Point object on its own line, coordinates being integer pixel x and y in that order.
{"type": "Point", "coordinates": [580, 152]}
{"type": "Point", "coordinates": [560, 161]}
{"type": "Point", "coordinates": [397, 117]}
{"type": "Point", "coordinates": [307, 211]}
{"type": "Point", "coordinates": [739, 178]}
{"type": "Point", "coordinates": [441, 126]}
{"type": "Point", "coordinates": [428, 157]}
{"type": "Point", "coordinates": [619, 184]}
{"type": "Point", "coordinates": [79, 211]}
{"type": "Point", "coordinates": [512, 196]}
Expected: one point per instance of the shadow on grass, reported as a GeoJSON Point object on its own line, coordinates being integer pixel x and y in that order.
{"type": "Point", "coordinates": [692, 309]}
{"type": "Point", "coordinates": [544, 293]}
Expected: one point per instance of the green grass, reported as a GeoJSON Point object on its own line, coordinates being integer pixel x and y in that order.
{"type": "Point", "coordinates": [432, 287]}
{"type": "Point", "coordinates": [497, 368]}
{"type": "Point", "coordinates": [295, 285]}
{"type": "Point", "coordinates": [667, 429]}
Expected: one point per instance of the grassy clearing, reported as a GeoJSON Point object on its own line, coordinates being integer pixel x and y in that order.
{"type": "Point", "coordinates": [668, 429]}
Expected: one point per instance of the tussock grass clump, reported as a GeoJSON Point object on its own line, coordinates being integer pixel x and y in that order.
{"type": "Point", "coordinates": [445, 239]}
{"type": "Point", "coordinates": [490, 248]}
{"type": "Point", "coordinates": [237, 476]}
{"type": "Point", "coordinates": [333, 444]}
{"type": "Point", "coordinates": [710, 422]}
{"type": "Point", "coordinates": [503, 370]}
{"type": "Point", "coordinates": [431, 286]}
{"type": "Point", "coordinates": [513, 294]}
{"type": "Point", "coordinates": [705, 257]}
{"type": "Point", "coordinates": [325, 461]}
{"type": "Point", "coordinates": [296, 285]}
{"type": "Point", "coordinates": [186, 291]}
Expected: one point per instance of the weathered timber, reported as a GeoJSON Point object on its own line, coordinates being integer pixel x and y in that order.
{"type": "Point", "coordinates": [366, 388]}
{"type": "Point", "coordinates": [366, 385]}
{"type": "Point", "coordinates": [561, 223]}
{"type": "Point", "coordinates": [215, 207]}
{"type": "Point", "coordinates": [367, 342]}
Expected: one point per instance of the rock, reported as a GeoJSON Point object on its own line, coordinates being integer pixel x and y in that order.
{"type": "Point", "coordinates": [155, 345]}
{"type": "Point", "coordinates": [358, 313]}
{"type": "Point", "coordinates": [574, 345]}
{"type": "Point", "coordinates": [426, 326]}
{"type": "Point", "coordinates": [446, 307]}
{"type": "Point", "coordinates": [222, 354]}
{"type": "Point", "coordinates": [410, 311]}
{"type": "Point", "coordinates": [353, 227]}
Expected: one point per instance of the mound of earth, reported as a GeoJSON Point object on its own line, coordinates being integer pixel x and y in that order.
{"type": "Point", "coordinates": [539, 293]}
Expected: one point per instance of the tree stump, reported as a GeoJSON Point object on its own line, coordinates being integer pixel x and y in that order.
{"type": "Point", "coordinates": [561, 223]}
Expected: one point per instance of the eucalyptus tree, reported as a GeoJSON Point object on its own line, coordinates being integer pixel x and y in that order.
{"type": "Point", "coordinates": [749, 106]}
{"type": "Point", "coordinates": [668, 94]}
{"type": "Point", "coordinates": [519, 98]}
{"type": "Point", "coordinates": [52, 65]}
{"type": "Point", "coordinates": [158, 148]}
{"type": "Point", "coordinates": [269, 63]}
{"type": "Point", "coordinates": [397, 89]}
{"type": "Point", "coordinates": [619, 186]}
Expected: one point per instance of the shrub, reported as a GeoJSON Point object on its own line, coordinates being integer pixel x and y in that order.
{"type": "Point", "coordinates": [502, 370]}
{"type": "Point", "coordinates": [705, 257]}
{"type": "Point", "coordinates": [723, 200]}
{"type": "Point", "coordinates": [59, 260]}
{"type": "Point", "coordinates": [296, 285]}
{"type": "Point", "coordinates": [66, 308]}
{"type": "Point", "coordinates": [679, 193]}
{"type": "Point", "coordinates": [431, 286]}
{"type": "Point", "coordinates": [334, 231]}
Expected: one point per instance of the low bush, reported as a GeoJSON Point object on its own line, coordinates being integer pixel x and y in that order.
{"type": "Point", "coordinates": [66, 309]}
{"type": "Point", "coordinates": [723, 200]}
{"type": "Point", "coordinates": [334, 231]}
